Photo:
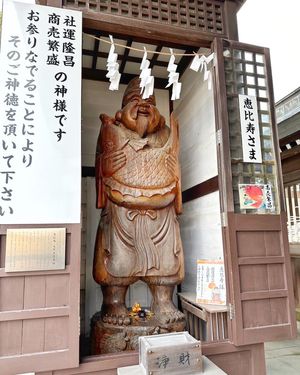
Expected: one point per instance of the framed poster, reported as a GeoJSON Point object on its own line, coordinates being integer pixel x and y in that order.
{"type": "Point", "coordinates": [256, 196]}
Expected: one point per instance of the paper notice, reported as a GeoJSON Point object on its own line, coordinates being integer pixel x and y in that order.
{"type": "Point", "coordinates": [211, 288]}
{"type": "Point", "coordinates": [35, 249]}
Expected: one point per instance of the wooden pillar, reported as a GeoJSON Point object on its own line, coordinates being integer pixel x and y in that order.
{"type": "Point", "coordinates": [54, 3]}
{"type": "Point", "coordinates": [231, 8]}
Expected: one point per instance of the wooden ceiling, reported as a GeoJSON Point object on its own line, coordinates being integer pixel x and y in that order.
{"type": "Point", "coordinates": [95, 52]}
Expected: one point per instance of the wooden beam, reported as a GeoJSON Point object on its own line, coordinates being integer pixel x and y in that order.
{"type": "Point", "coordinates": [289, 138]}
{"type": "Point", "coordinates": [100, 75]}
{"type": "Point", "coordinates": [155, 57]}
{"type": "Point", "coordinates": [185, 61]}
{"type": "Point", "coordinates": [146, 31]}
{"type": "Point", "coordinates": [96, 49]}
{"type": "Point", "coordinates": [125, 56]}
{"type": "Point", "coordinates": [290, 153]}
{"type": "Point", "coordinates": [133, 59]}
{"type": "Point", "coordinates": [138, 38]}
{"type": "Point", "coordinates": [197, 191]}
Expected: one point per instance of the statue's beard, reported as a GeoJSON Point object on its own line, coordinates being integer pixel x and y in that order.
{"type": "Point", "coordinates": [142, 123]}
{"type": "Point", "coordinates": [141, 120]}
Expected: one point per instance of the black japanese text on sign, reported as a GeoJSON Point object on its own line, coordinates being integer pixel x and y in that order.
{"type": "Point", "coordinates": [250, 129]}
{"type": "Point", "coordinates": [40, 116]}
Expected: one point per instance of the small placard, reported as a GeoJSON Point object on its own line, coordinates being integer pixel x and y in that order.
{"type": "Point", "coordinates": [211, 288]}
{"type": "Point", "coordinates": [35, 249]}
{"type": "Point", "coordinates": [256, 196]}
{"type": "Point", "coordinates": [173, 353]}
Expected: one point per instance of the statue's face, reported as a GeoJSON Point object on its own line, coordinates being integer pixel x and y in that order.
{"type": "Point", "coordinates": [140, 115]}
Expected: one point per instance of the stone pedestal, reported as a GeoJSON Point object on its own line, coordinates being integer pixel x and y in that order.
{"type": "Point", "coordinates": [113, 338]}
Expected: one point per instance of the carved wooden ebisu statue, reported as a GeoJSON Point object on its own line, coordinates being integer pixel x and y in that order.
{"type": "Point", "coordinates": [138, 189]}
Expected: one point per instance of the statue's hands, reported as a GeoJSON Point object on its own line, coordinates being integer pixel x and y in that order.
{"type": "Point", "coordinates": [112, 162]}
{"type": "Point", "coordinates": [172, 165]}
{"type": "Point", "coordinates": [107, 120]}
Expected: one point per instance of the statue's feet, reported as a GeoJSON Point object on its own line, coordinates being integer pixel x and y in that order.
{"type": "Point", "coordinates": [116, 314]}
{"type": "Point", "coordinates": [167, 313]}
{"type": "Point", "coordinates": [114, 310]}
{"type": "Point", "coordinates": [121, 320]}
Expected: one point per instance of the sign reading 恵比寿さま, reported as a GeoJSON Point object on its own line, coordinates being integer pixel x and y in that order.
{"type": "Point", "coordinates": [250, 129]}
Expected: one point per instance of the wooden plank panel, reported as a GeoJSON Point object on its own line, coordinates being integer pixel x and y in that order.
{"type": "Point", "coordinates": [276, 279]}
{"type": "Point", "coordinates": [253, 278]}
{"type": "Point", "coordinates": [278, 310]}
{"type": "Point", "coordinates": [33, 328]}
{"type": "Point", "coordinates": [34, 292]}
{"type": "Point", "coordinates": [11, 296]}
{"type": "Point", "coordinates": [57, 290]}
{"type": "Point", "coordinates": [262, 244]}
{"type": "Point", "coordinates": [259, 282]}
{"type": "Point", "coordinates": [56, 334]}
{"type": "Point", "coordinates": [42, 331]}
{"type": "Point", "coordinates": [12, 332]}
{"type": "Point", "coordinates": [256, 313]}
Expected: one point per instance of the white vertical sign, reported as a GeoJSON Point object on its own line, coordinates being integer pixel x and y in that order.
{"type": "Point", "coordinates": [40, 114]}
{"type": "Point", "coordinates": [211, 288]}
{"type": "Point", "coordinates": [250, 129]}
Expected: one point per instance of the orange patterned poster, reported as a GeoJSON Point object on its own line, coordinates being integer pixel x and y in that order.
{"type": "Point", "coordinates": [256, 196]}
{"type": "Point", "coordinates": [211, 288]}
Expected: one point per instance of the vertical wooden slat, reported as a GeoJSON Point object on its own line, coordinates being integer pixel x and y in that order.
{"type": "Point", "coordinates": [12, 293]}
{"type": "Point", "coordinates": [57, 290]}
{"type": "Point", "coordinates": [34, 292]}
{"type": "Point", "coordinates": [33, 328]}
{"type": "Point", "coordinates": [56, 333]}
{"type": "Point", "coordinates": [12, 332]}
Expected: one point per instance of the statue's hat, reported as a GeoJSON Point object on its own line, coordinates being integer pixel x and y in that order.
{"type": "Point", "coordinates": [133, 85]}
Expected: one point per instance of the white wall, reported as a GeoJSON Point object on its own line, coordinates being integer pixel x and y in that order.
{"type": "Point", "coordinates": [201, 234]}
{"type": "Point", "coordinates": [195, 112]}
{"type": "Point", "coordinates": [200, 222]}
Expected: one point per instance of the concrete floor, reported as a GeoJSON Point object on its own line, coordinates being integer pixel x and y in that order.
{"type": "Point", "coordinates": [283, 357]}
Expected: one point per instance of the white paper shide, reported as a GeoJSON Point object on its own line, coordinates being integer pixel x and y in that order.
{"type": "Point", "coordinates": [173, 78]}
{"type": "Point", "coordinates": [147, 80]}
{"type": "Point", "coordinates": [40, 114]}
{"type": "Point", "coordinates": [250, 129]}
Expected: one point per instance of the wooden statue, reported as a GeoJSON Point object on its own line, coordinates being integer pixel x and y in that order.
{"type": "Point", "coordinates": [138, 189]}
